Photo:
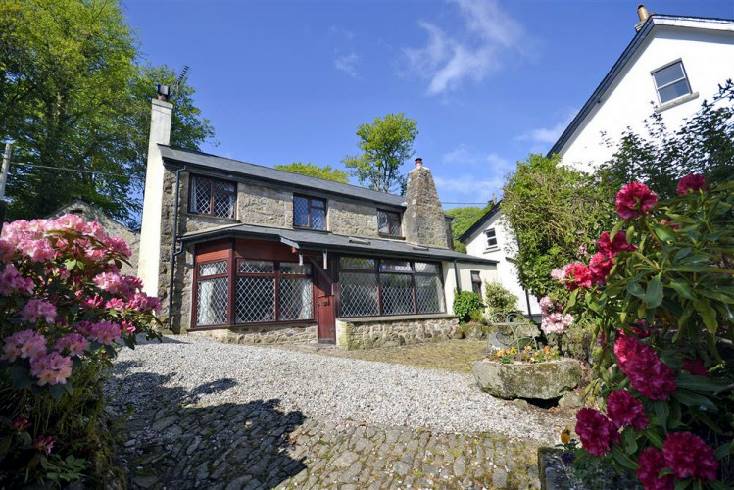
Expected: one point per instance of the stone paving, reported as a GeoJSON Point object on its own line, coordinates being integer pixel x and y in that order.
{"type": "Point", "coordinates": [173, 439]}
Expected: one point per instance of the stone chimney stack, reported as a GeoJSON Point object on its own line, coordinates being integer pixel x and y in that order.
{"type": "Point", "coordinates": [424, 222]}
{"type": "Point", "coordinates": [150, 229]}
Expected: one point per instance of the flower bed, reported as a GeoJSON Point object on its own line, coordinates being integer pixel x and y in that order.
{"type": "Point", "coordinates": [65, 310]}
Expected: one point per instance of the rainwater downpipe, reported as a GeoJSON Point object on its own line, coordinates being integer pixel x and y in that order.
{"type": "Point", "coordinates": [458, 279]}
{"type": "Point", "coordinates": [174, 253]}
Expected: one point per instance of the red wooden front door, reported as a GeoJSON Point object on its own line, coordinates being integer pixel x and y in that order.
{"type": "Point", "coordinates": [325, 305]}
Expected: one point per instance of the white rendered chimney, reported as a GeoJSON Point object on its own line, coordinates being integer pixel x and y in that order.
{"type": "Point", "coordinates": [150, 229]}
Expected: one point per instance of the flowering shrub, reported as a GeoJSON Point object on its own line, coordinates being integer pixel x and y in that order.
{"type": "Point", "coordinates": [58, 333]}
{"type": "Point", "coordinates": [554, 319]}
{"type": "Point", "coordinates": [526, 354]}
{"type": "Point", "coordinates": [661, 288]}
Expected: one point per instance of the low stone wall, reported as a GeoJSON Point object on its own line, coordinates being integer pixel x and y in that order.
{"type": "Point", "coordinates": [357, 333]}
{"type": "Point", "coordinates": [261, 334]}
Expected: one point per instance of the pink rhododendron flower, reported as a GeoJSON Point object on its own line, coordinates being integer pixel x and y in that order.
{"type": "Point", "coordinates": [26, 344]}
{"type": "Point", "coordinates": [612, 246]}
{"type": "Point", "coordinates": [690, 183]}
{"type": "Point", "coordinates": [37, 309]}
{"type": "Point", "coordinates": [554, 320]}
{"type": "Point", "coordinates": [51, 369]}
{"type": "Point", "coordinates": [596, 432]}
{"type": "Point", "coordinates": [6, 251]}
{"type": "Point", "coordinates": [624, 409]}
{"type": "Point", "coordinates": [117, 283]}
{"type": "Point", "coordinates": [650, 464]}
{"type": "Point", "coordinates": [689, 456]}
{"type": "Point", "coordinates": [634, 200]}
{"type": "Point", "coordinates": [105, 332]}
{"type": "Point", "coordinates": [11, 280]}
{"type": "Point", "coordinates": [128, 327]}
{"type": "Point", "coordinates": [74, 343]}
{"type": "Point", "coordinates": [646, 372]}
{"type": "Point", "coordinates": [600, 266]}
{"type": "Point", "coordinates": [695, 366]}
{"type": "Point", "coordinates": [44, 444]}
{"type": "Point", "coordinates": [115, 304]}
{"type": "Point", "coordinates": [92, 302]}
{"type": "Point", "coordinates": [576, 275]}
{"type": "Point", "coordinates": [144, 303]}
{"type": "Point", "coordinates": [557, 274]}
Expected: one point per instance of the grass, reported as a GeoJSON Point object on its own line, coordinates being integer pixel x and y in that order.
{"type": "Point", "coordinates": [451, 355]}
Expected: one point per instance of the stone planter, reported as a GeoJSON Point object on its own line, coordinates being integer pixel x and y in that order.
{"type": "Point", "coordinates": [544, 380]}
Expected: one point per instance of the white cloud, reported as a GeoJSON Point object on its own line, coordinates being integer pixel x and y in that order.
{"type": "Point", "coordinates": [348, 64]}
{"type": "Point", "coordinates": [467, 188]}
{"type": "Point", "coordinates": [448, 60]}
{"type": "Point", "coordinates": [547, 135]}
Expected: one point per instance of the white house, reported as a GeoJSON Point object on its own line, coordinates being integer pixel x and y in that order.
{"type": "Point", "coordinates": [670, 66]}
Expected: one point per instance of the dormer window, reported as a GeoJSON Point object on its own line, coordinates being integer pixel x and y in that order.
{"type": "Point", "coordinates": [309, 212]}
{"type": "Point", "coordinates": [388, 223]}
{"type": "Point", "coordinates": [491, 234]}
{"type": "Point", "coordinates": [671, 82]}
{"type": "Point", "coordinates": [214, 197]}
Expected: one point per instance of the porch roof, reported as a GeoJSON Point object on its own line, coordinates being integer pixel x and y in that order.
{"type": "Point", "coordinates": [321, 240]}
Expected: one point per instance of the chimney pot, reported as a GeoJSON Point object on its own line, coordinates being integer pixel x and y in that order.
{"type": "Point", "coordinates": [642, 13]}
{"type": "Point", "coordinates": [164, 91]}
{"type": "Point", "coordinates": [418, 163]}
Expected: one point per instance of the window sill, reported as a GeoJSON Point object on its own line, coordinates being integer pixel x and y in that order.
{"type": "Point", "coordinates": [281, 323]}
{"type": "Point", "coordinates": [211, 217]}
{"type": "Point", "coordinates": [366, 319]}
{"type": "Point", "coordinates": [308, 228]}
{"type": "Point", "coordinates": [392, 237]}
{"type": "Point", "coordinates": [676, 102]}
{"type": "Point", "coordinates": [492, 249]}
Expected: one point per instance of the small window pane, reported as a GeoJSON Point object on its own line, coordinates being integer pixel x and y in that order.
{"type": "Point", "coordinates": [674, 90]}
{"type": "Point", "coordinates": [669, 74]}
{"type": "Point", "coordinates": [252, 266]}
{"type": "Point", "coordinates": [491, 237]}
{"type": "Point", "coordinates": [356, 263]}
{"type": "Point", "coordinates": [211, 301]}
{"type": "Point", "coordinates": [358, 294]}
{"type": "Point", "coordinates": [425, 267]}
{"type": "Point", "coordinates": [429, 294]}
{"type": "Point", "coordinates": [317, 203]}
{"type": "Point", "coordinates": [397, 294]}
{"type": "Point", "coordinates": [254, 299]}
{"type": "Point", "coordinates": [388, 223]}
{"type": "Point", "coordinates": [202, 195]}
{"type": "Point", "coordinates": [213, 268]}
{"type": "Point", "coordinates": [288, 268]}
{"type": "Point", "coordinates": [475, 276]}
{"type": "Point", "coordinates": [296, 298]}
{"type": "Point", "coordinates": [300, 211]}
{"type": "Point", "coordinates": [395, 266]}
{"type": "Point", "coordinates": [224, 196]}
{"type": "Point", "coordinates": [318, 219]}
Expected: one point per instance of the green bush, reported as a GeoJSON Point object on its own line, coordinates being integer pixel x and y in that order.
{"type": "Point", "coordinates": [466, 305]}
{"type": "Point", "coordinates": [498, 299]}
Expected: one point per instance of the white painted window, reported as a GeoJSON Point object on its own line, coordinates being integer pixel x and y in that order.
{"type": "Point", "coordinates": [491, 237]}
{"type": "Point", "coordinates": [671, 82]}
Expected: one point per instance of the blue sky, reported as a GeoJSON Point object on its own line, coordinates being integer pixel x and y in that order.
{"type": "Point", "coordinates": [487, 81]}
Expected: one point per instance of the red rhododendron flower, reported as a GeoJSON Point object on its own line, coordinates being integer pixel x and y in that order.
{"type": "Point", "coordinates": [691, 182]}
{"type": "Point", "coordinates": [20, 423]}
{"type": "Point", "coordinates": [646, 372]}
{"type": "Point", "coordinates": [634, 199]}
{"type": "Point", "coordinates": [600, 265]}
{"type": "Point", "coordinates": [689, 456]}
{"type": "Point", "coordinates": [596, 432]}
{"type": "Point", "coordinates": [649, 465]}
{"type": "Point", "coordinates": [695, 366]}
{"type": "Point", "coordinates": [624, 409]}
{"type": "Point", "coordinates": [613, 246]}
{"type": "Point", "coordinates": [577, 275]}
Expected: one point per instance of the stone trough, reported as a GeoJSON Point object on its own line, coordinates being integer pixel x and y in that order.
{"type": "Point", "coordinates": [544, 380]}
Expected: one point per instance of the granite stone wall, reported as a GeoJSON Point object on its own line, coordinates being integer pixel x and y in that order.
{"type": "Point", "coordinates": [267, 335]}
{"type": "Point", "coordinates": [355, 334]}
{"type": "Point", "coordinates": [353, 219]}
{"type": "Point", "coordinates": [424, 221]}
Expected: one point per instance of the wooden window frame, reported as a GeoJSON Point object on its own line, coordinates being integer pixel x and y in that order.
{"type": "Point", "coordinates": [413, 273]}
{"type": "Point", "coordinates": [389, 213]}
{"type": "Point", "coordinates": [493, 237]}
{"type": "Point", "coordinates": [310, 200]}
{"type": "Point", "coordinates": [194, 179]}
{"type": "Point", "coordinates": [195, 291]}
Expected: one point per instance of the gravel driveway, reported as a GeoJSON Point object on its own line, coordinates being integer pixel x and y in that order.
{"type": "Point", "coordinates": [325, 388]}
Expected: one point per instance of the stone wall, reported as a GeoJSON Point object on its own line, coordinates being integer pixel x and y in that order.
{"type": "Point", "coordinates": [262, 205]}
{"type": "Point", "coordinates": [424, 221]}
{"type": "Point", "coordinates": [354, 333]}
{"type": "Point", "coordinates": [353, 219]}
{"type": "Point", "coordinates": [267, 335]}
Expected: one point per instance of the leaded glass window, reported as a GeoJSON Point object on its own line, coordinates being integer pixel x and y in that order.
{"type": "Point", "coordinates": [211, 293]}
{"type": "Point", "coordinates": [212, 196]}
{"type": "Point", "coordinates": [309, 212]}
{"type": "Point", "coordinates": [388, 223]}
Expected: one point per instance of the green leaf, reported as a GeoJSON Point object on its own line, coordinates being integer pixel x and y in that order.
{"type": "Point", "coordinates": [700, 384]}
{"type": "Point", "coordinates": [681, 254]}
{"type": "Point", "coordinates": [724, 450]}
{"type": "Point", "coordinates": [662, 411]}
{"type": "Point", "coordinates": [654, 437]}
{"type": "Point", "coordinates": [20, 377]}
{"type": "Point", "coordinates": [682, 484]}
{"type": "Point", "coordinates": [622, 459]}
{"type": "Point", "coordinates": [664, 233]}
{"type": "Point", "coordinates": [654, 292]}
{"type": "Point", "coordinates": [682, 288]}
{"type": "Point", "coordinates": [571, 299]}
{"type": "Point", "coordinates": [634, 288]}
{"type": "Point", "coordinates": [691, 399]}
{"type": "Point", "coordinates": [708, 315]}
{"type": "Point", "coordinates": [629, 438]}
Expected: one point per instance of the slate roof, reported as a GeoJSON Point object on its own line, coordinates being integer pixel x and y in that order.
{"type": "Point", "coordinates": [209, 162]}
{"type": "Point", "coordinates": [319, 240]}
{"type": "Point", "coordinates": [628, 53]}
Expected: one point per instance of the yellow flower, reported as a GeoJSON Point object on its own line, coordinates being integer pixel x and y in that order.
{"type": "Point", "coordinates": [566, 435]}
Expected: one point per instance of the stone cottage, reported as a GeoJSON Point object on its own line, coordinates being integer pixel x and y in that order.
{"type": "Point", "coordinates": [251, 254]}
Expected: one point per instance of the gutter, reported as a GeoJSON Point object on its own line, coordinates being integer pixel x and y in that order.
{"type": "Point", "coordinates": [174, 253]}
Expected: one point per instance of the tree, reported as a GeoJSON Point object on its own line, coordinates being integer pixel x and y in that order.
{"type": "Point", "coordinates": [386, 144]}
{"type": "Point", "coordinates": [313, 170]}
{"type": "Point", "coordinates": [78, 107]}
{"type": "Point", "coordinates": [555, 213]}
{"type": "Point", "coordinates": [463, 219]}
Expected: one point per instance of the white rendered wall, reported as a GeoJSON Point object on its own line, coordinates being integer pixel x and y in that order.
{"type": "Point", "coordinates": [486, 272]}
{"type": "Point", "coordinates": [708, 58]}
{"type": "Point", "coordinates": [150, 229]}
{"type": "Point", "coordinates": [506, 273]}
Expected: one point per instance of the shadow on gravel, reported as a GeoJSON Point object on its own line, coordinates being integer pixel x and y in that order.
{"type": "Point", "coordinates": [169, 441]}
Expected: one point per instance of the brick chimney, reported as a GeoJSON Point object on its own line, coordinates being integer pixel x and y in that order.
{"type": "Point", "coordinates": [424, 222]}
{"type": "Point", "coordinates": [150, 229]}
